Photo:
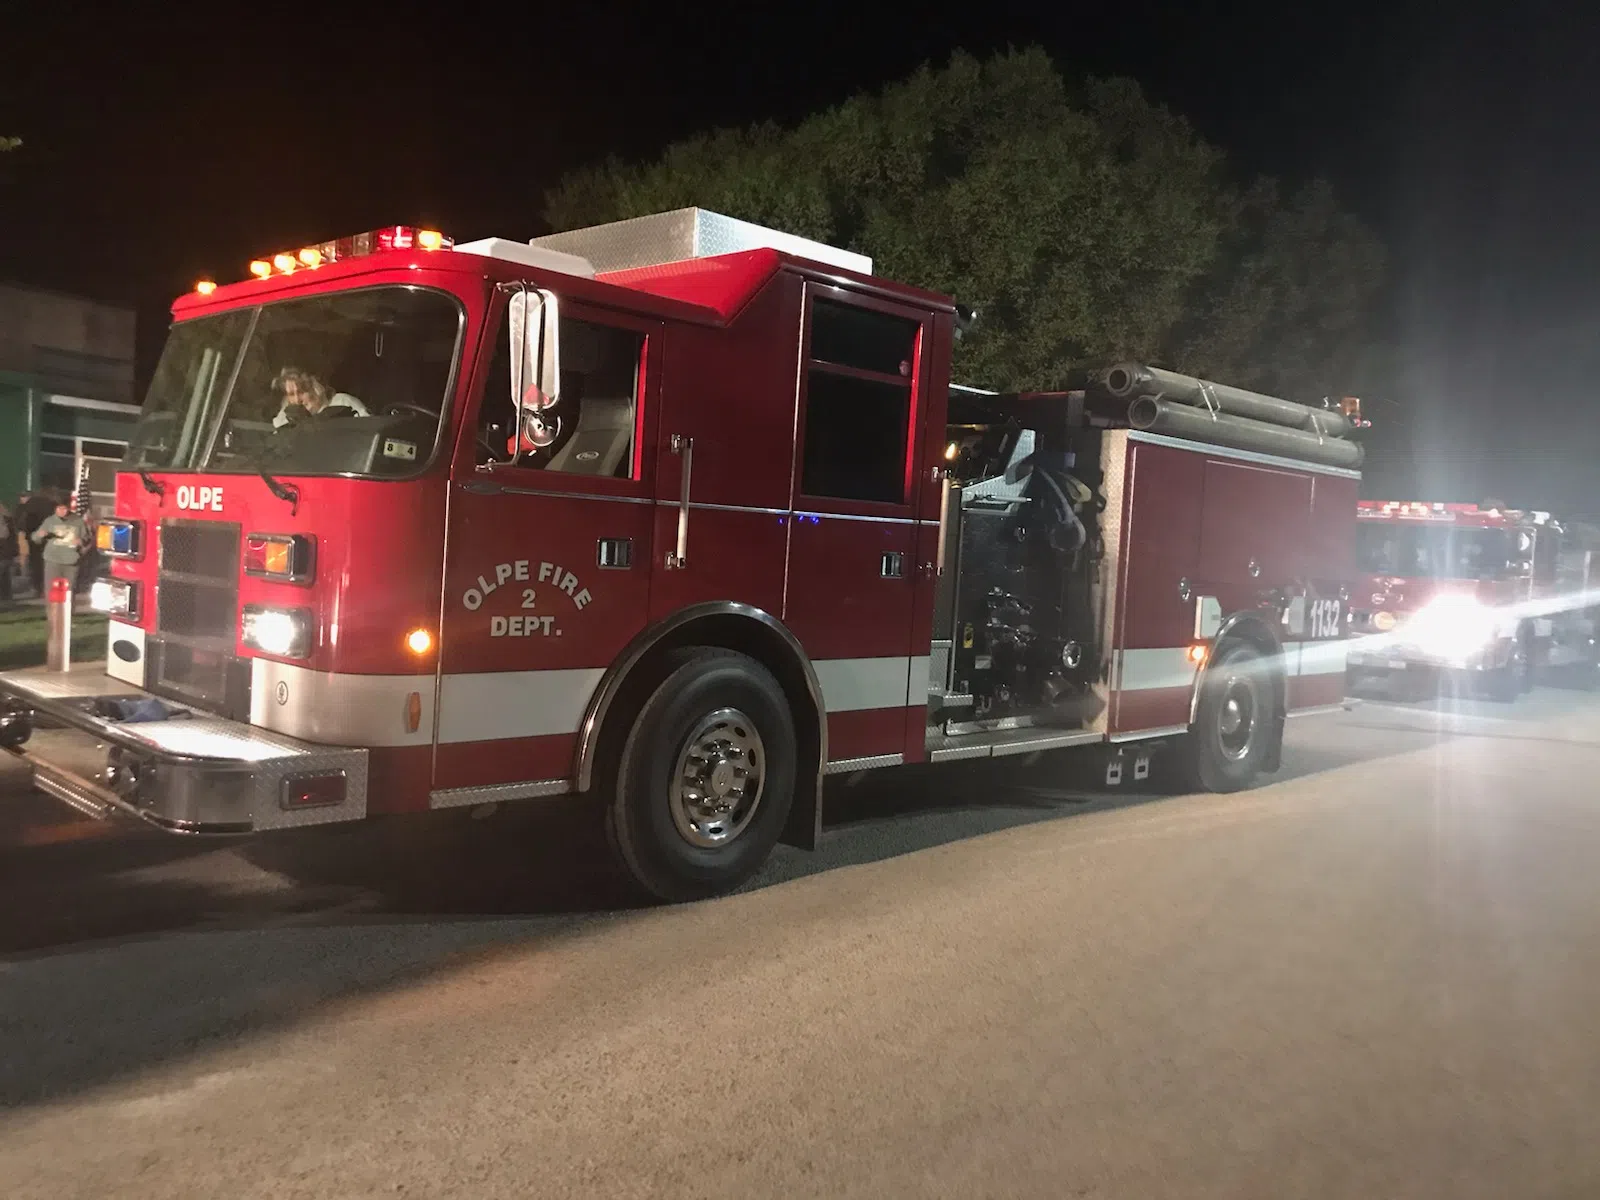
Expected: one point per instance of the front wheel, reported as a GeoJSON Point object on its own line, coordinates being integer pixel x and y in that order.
{"type": "Point", "coordinates": [1506, 684]}
{"type": "Point", "coordinates": [1234, 722]}
{"type": "Point", "coordinates": [706, 777]}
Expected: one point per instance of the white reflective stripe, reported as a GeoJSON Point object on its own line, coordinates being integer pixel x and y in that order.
{"type": "Point", "coordinates": [918, 682]}
{"type": "Point", "coordinates": [514, 704]}
{"type": "Point", "coordinates": [856, 684]}
{"type": "Point", "coordinates": [371, 710]}
{"type": "Point", "coordinates": [339, 710]}
{"type": "Point", "coordinates": [127, 672]}
{"type": "Point", "coordinates": [1144, 670]}
{"type": "Point", "coordinates": [1316, 658]}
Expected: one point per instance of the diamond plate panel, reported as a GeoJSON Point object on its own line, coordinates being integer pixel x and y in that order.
{"type": "Point", "coordinates": [43, 684]}
{"type": "Point", "coordinates": [687, 233]}
{"type": "Point", "coordinates": [1115, 480]}
{"type": "Point", "coordinates": [267, 813]}
{"type": "Point", "coordinates": [212, 737]}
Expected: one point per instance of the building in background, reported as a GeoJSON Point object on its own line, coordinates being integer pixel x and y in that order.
{"type": "Point", "coordinates": [66, 393]}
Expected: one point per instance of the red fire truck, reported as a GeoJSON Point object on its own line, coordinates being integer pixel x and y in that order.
{"type": "Point", "coordinates": [1455, 590]}
{"type": "Point", "coordinates": [680, 513]}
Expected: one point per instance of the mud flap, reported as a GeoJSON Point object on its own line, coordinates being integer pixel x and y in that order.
{"type": "Point", "coordinates": [1273, 761]}
{"type": "Point", "coordinates": [803, 830]}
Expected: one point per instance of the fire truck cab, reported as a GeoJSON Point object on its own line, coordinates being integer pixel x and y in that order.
{"type": "Point", "coordinates": [1455, 590]}
{"type": "Point", "coordinates": [682, 514]}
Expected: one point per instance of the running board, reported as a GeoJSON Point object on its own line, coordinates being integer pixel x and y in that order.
{"type": "Point", "coordinates": [77, 793]}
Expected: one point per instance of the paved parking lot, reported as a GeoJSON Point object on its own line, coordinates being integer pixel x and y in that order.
{"type": "Point", "coordinates": [1377, 975]}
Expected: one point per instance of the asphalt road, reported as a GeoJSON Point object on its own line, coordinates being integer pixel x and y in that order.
{"type": "Point", "coordinates": [1378, 975]}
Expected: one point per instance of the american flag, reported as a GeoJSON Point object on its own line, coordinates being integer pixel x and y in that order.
{"type": "Point", "coordinates": [82, 495]}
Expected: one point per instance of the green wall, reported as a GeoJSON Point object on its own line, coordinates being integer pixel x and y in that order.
{"type": "Point", "coordinates": [19, 438]}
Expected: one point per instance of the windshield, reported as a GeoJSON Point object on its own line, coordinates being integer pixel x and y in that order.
{"type": "Point", "coordinates": [1433, 552]}
{"type": "Point", "coordinates": [353, 383]}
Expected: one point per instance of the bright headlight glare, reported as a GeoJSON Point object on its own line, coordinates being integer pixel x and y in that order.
{"type": "Point", "coordinates": [1452, 626]}
{"type": "Point", "coordinates": [285, 633]}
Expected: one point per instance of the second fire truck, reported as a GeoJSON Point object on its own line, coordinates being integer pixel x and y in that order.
{"type": "Point", "coordinates": [680, 514]}
{"type": "Point", "coordinates": [1482, 594]}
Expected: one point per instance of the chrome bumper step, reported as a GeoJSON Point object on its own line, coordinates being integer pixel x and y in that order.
{"type": "Point", "coordinates": [193, 772]}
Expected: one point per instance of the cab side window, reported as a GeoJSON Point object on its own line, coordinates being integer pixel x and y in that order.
{"type": "Point", "coordinates": [589, 430]}
{"type": "Point", "coordinates": [858, 403]}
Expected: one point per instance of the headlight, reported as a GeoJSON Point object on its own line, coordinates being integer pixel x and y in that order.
{"type": "Point", "coordinates": [1452, 627]}
{"type": "Point", "coordinates": [283, 632]}
{"type": "Point", "coordinates": [115, 597]}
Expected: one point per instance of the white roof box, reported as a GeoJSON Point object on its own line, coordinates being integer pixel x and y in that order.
{"type": "Point", "coordinates": [687, 233]}
{"type": "Point", "coordinates": [528, 256]}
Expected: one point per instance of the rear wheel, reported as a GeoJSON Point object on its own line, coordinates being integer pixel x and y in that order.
{"type": "Point", "coordinates": [1234, 721]}
{"type": "Point", "coordinates": [706, 777]}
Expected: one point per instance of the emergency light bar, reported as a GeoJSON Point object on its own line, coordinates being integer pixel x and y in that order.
{"type": "Point", "coordinates": [1406, 508]}
{"type": "Point", "coordinates": [377, 241]}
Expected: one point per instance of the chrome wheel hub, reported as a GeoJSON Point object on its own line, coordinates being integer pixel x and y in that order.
{"type": "Point", "coordinates": [1237, 721]}
{"type": "Point", "coordinates": [717, 784]}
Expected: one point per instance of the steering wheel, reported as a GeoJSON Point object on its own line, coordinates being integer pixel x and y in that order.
{"type": "Point", "coordinates": [400, 408]}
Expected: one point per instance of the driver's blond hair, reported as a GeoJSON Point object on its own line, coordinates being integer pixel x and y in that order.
{"type": "Point", "coordinates": [304, 381]}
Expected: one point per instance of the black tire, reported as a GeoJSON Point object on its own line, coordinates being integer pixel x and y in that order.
{"type": "Point", "coordinates": [1222, 754]}
{"type": "Point", "coordinates": [1585, 676]}
{"type": "Point", "coordinates": [1505, 684]}
{"type": "Point", "coordinates": [662, 826]}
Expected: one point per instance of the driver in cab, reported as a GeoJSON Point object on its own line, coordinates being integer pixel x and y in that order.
{"type": "Point", "coordinates": [304, 391]}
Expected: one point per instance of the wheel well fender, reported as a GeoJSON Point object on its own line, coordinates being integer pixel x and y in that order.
{"type": "Point", "coordinates": [730, 626]}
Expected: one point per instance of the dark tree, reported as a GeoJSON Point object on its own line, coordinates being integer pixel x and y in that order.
{"type": "Point", "coordinates": [1082, 221]}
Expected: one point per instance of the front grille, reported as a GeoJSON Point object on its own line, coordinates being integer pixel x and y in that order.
{"type": "Point", "coordinates": [197, 618]}
{"type": "Point", "coordinates": [189, 609]}
{"type": "Point", "coordinates": [207, 549]}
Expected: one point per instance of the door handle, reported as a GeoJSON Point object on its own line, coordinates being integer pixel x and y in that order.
{"type": "Point", "coordinates": [684, 446]}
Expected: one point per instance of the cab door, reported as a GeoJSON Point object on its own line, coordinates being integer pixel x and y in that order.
{"type": "Point", "coordinates": [853, 565]}
{"type": "Point", "coordinates": [548, 557]}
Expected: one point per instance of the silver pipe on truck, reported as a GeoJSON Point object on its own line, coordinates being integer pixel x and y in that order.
{"type": "Point", "coordinates": [1153, 414]}
{"type": "Point", "coordinates": [1128, 380]}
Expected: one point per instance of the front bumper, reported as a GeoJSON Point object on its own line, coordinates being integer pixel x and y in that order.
{"type": "Point", "coordinates": [192, 774]}
{"type": "Point", "coordinates": [1381, 656]}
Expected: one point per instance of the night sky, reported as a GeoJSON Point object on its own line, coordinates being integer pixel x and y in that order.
{"type": "Point", "coordinates": [162, 150]}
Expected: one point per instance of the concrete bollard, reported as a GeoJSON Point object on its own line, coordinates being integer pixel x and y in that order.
{"type": "Point", "coordinates": [58, 610]}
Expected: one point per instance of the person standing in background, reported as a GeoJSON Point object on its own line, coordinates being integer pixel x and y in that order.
{"type": "Point", "coordinates": [8, 554]}
{"type": "Point", "coordinates": [36, 507]}
{"type": "Point", "coordinates": [63, 535]}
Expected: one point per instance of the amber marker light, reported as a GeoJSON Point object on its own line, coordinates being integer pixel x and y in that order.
{"type": "Point", "coordinates": [419, 641]}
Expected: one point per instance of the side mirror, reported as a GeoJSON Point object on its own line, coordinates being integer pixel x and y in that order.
{"type": "Point", "coordinates": [534, 326]}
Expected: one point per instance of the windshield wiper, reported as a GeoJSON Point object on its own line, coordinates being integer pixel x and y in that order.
{"type": "Point", "coordinates": [283, 491]}
{"type": "Point", "coordinates": [287, 492]}
{"type": "Point", "coordinates": [151, 484]}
